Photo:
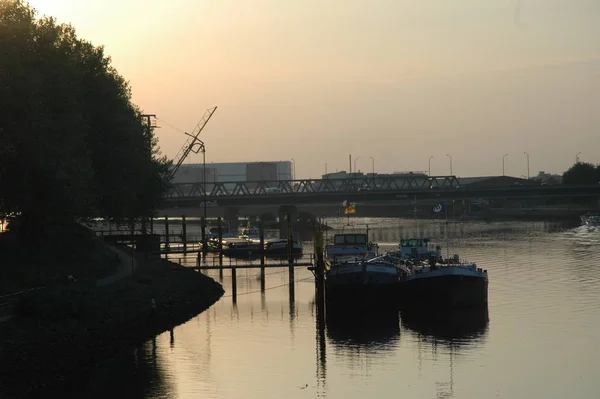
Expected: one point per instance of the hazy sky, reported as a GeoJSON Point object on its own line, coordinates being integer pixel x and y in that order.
{"type": "Point", "coordinates": [396, 80]}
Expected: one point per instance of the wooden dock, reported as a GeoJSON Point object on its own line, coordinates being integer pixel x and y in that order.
{"type": "Point", "coordinates": [253, 266]}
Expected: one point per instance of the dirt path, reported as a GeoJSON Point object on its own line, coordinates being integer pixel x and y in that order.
{"type": "Point", "coordinates": [127, 264]}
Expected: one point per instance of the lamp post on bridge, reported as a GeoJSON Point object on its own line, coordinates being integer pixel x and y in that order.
{"type": "Point", "coordinates": [293, 169]}
{"type": "Point", "coordinates": [527, 164]}
{"type": "Point", "coordinates": [372, 168]}
{"type": "Point", "coordinates": [214, 173]}
{"type": "Point", "coordinates": [429, 168]}
{"type": "Point", "coordinates": [448, 155]}
{"type": "Point", "coordinates": [355, 159]}
{"type": "Point", "coordinates": [503, 157]}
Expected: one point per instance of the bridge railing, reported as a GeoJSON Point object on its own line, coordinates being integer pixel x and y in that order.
{"type": "Point", "coordinates": [291, 187]}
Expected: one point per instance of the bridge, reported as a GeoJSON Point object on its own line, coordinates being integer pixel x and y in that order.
{"type": "Point", "coordinates": [283, 188]}
{"type": "Point", "coordinates": [363, 189]}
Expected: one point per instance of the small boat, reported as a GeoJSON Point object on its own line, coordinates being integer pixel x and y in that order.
{"type": "Point", "coordinates": [373, 281]}
{"type": "Point", "coordinates": [350, 246]}
{"type": "Point", "coordinates": [279, 247]}
{"type": "Point", "coordinates": [591, 219]}
{"type": "Point", "coordinates": [252, 233]}
{"type": "Point", "coordinates": [430, 280]}
{"type": "Point", "coordinates": [240, 247]}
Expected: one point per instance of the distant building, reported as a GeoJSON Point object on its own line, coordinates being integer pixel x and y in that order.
{"type": "Point", "coordinates": [544, 177]}
{"type": "Point", "coordinates": [409, 173]}
{"type": "Point", "coordinates": [234, 172]}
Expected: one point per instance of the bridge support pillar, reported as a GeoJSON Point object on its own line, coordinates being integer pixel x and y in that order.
{"type": "Point", "coordinates": [284, 223]}
{"type": "Point", "coordinates": [231, 218]}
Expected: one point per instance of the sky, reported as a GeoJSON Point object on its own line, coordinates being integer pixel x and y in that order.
{"type": "Point", "coordinates": [389, 82]}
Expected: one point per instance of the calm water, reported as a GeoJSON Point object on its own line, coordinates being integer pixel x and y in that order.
{"type": "Point", "coordinates": [537, 339]}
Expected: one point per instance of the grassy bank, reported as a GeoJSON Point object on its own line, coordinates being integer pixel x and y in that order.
{"type": "Point", "coordinates": [49, 261]}
{"type": "Point", "coordinates": [63, 331]}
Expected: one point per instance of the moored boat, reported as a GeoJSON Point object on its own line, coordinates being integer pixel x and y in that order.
{"type": "Point", "coordinates": [279, 247]}
{"type": "Point", "coordinates": [373, 281]}
{"type": "Point", "coordinates": [240, 247]}
{"type": "Point", "coordinates": [430, 280]}
{"type": "Point", "coordinates": [445, 285]}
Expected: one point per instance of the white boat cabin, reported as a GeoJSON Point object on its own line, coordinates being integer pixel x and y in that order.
{"type": "Point", "coordinates": [350, 239]}
{"type": "Point", "coordinates": [351, 245]}
{"type": "Point", "coordinates": [419, 248]}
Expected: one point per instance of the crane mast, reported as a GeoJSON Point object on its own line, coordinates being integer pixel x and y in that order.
{"type": "Point", "coordinates": [193, 143]}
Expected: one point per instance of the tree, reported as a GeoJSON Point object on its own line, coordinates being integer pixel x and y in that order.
{"type": "Point", "coordinates": [72, 144]}
{"type": "Point", "coordinates": [582, 173]}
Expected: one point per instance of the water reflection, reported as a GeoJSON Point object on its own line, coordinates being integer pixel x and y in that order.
{"type": "Point", "coordinates": [134, 374]}
{"type": "Point", "coordinates": [373, 329]}
{"type": "Point", "coordinates": [321, 342]}
{"type": "Point", "coordinates": [276, 338]}
{"type": "Point", "coordinates": [453, 330]}
{"type": "Point", "coordinates": [459, 328]}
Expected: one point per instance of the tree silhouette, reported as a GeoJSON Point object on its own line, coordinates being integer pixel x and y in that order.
{"type": "Point", "coordinates": [582, 173]}
{"type": "Point", "coordinates": [72, 144]}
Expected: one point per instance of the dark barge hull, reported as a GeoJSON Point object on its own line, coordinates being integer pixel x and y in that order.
{"type": "Point", "coordinates": [451, 291]}
{"type": "Point", "coordinates": [356, 295]}
{"type": "Point", "coordinates": [282, 252]}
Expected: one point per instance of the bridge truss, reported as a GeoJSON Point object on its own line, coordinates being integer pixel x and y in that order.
{"type": "Point", "coordinates": [324, 186]}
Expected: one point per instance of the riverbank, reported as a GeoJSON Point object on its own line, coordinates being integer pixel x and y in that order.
{"type": "Point", "coordinates": [63, 332]}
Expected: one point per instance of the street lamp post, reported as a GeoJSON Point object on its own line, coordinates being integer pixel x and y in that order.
{"type": "Point", "coordinates": [448, 155]}
{"type": "Point", "coordinates": [429, 168]}
{"type": "Point", "coordinates": [204, 224]}
{"type": "Point", "coordinates": [355, 159]}
{"type": "Point", "coordinates": [504, 156]}
{"type": "Point", "coordinates": [372, 168]}
{"type": "Point", "coordinates": [577, 157]}
{"type": "Point", "coordinates": [527, 164]}
{"type": "Point", "coordinates": [293, 169]}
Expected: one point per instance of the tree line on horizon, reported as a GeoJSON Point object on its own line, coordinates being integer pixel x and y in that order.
{"type": "Point", "coordinates": [73, 146]}
{"type": "Point", "coordinates": [582, 173]}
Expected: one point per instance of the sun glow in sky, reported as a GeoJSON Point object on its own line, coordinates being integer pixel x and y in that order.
{"type": "Point", "coordinates": [396, 80]}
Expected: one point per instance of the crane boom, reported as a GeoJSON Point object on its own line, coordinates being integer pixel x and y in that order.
{"type": "Point", "coordinates": [191, 142]}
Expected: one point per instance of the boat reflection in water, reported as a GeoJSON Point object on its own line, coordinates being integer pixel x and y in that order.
{"type": "Point", "coordinates": [372, 330]}
{"type": "Point", "coordinates": [457, 327]}
{"type": "Point", "coordinates": [455, 331]}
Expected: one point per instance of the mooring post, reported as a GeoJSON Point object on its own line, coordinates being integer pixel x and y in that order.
{"type": "Point", "coordinates": [204, 243]}
{"type": "Point", "coordinates": [291, 281]}
{"type": "Point", "coordinates": [184, 233]}
{"type": "Point", "coordinates": [220, 243]}
{"type": "Point", "coordinates": [261, 236]}
{"type": "Point", "coordinates": [290, 241]}
{"type": "Point", "coordinates": [220, 234]}
{"type": "Point", "coordinates": [233, 282]}
{"type": "Point", "coordinates": [319, 263]}
{"type": "Point", "coordinates": [292, 294]}
{"type": "Point", "coordinates": [166, 234]}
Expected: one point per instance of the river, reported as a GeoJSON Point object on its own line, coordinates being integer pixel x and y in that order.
{"type": "Point", "coordinates": [538, 338]}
